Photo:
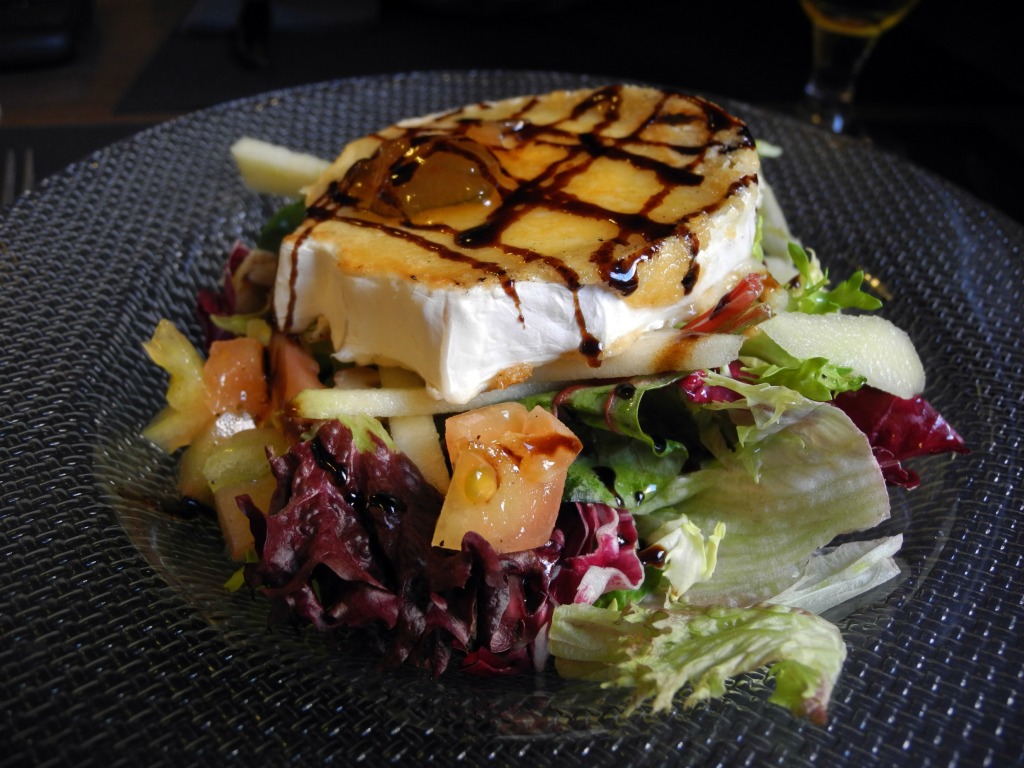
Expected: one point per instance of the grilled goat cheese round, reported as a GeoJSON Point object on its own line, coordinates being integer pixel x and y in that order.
{"type": "Point", "coordinates": [474, 245]}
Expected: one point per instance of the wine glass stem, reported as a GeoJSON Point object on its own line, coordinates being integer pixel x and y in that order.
{"type": "Point", "coordinates": [837, 62]}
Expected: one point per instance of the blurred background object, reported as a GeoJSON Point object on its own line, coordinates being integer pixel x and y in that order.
{"type": "Point", "coordinates": [41, 31]}
{"type": "Point", "coordinates": [843, 35]}
{"type": "Point", "coordinates": [944, 89]}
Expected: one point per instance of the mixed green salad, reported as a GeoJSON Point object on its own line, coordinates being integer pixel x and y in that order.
{"type": "Point", "coordinates": [701, 522]}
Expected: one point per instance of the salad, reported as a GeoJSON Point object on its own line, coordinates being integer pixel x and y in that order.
{"type": "Point", "coordinates": [662, 532]}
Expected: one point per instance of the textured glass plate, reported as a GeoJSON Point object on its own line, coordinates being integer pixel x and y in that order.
{"type": "Point", "coordinates": [119, 646]}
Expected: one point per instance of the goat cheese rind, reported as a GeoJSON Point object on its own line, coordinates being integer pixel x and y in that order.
{"type": "Point", "coordinates": [621, 210]}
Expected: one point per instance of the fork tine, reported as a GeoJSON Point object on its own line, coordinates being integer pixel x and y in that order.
{"type": "Point", "coordinates": [10, 171]}
{"type": "Point", "coordinates": [12, 184]}
{"type": "Point", "coordinates": [28, 170]}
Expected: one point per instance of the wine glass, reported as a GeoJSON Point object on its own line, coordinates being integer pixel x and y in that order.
{"type": "Point", "coordinates": [845, 33]}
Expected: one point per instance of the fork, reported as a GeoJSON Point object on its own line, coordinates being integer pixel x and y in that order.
{"type": "Point", "coordinates": [13, 183]}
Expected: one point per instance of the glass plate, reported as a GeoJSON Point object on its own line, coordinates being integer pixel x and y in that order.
{"type": "Point", "coordinates": [120, 647]}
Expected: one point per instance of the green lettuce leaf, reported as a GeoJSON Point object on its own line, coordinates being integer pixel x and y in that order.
{"type": "Point", "coordinates": [837, 574]}
{"type": "Point", "coordinates": [365, 429]}
{"type": "Point", "coordinates": [633, 436]}
{"type": "Point", "coordinates": [659, 652]}
{"type": "Point", "coordinates": [619, 471]}
{"type": "Point", "coordinates": [687, 556]}
{"type": "Point", "coordinates": [285, 221]}
{"type": "Point", "coordinates": [789, 476]}
{"type": "Point", "coordinates": [783, 474]}
{"type": "Point", "coordinates": [815, 378]}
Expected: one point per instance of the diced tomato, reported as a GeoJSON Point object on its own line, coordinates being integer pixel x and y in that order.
{"type": "Point", "coordinates": [292, 370]}
{"type": "Point", "coordinates": [235, 377]}
{"type": "Point", "coordinates": [509, 469]}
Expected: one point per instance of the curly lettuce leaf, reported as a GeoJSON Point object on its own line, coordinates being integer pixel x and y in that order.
{"type": "Point", "coordinates": [660, 652]}
{"type": "Point", "coordinates": [810, 293]}
{"type": "Point", "coordinates": [782, 473]}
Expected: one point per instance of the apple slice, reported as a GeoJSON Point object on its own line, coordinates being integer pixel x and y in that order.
{"type": "Point", "coordinates": [271, 169]}
{"type": "Point", "coordinates": [238, 465]}
{"type": "Point", "coordinates": [870, 345]}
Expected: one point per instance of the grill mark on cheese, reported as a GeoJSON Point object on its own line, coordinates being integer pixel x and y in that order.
{"type": "Point", "coordinates": [333, 201]}
{"type": "Point", "coordinates": [487, 267]}
{"type": "Point", "coordinates": [639, 232]}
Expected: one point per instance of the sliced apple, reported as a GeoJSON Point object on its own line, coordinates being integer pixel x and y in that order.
{"type": "Point", "coordinates": [417, 436]}
{"type": "Point", "coordinates": [238, 465]}
{"type": "Point", "coordinates": [868, 344]}
{"type": "Point", "coordinates": [271, 169]}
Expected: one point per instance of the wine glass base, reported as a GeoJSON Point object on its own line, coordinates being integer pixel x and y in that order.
{"type": "Point", "coordinates": [835, 118]}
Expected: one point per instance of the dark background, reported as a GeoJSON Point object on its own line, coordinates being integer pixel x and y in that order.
{"type": "Point", "coordinates": [945, 89]}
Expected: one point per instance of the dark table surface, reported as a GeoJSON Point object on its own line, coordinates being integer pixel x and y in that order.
{"type": "Point", "coordinates": [945, 89]}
